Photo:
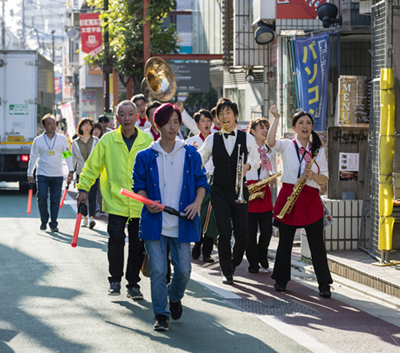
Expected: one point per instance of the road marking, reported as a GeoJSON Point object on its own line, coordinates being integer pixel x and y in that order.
{"type": "Point", "coordinates": [288, 330]}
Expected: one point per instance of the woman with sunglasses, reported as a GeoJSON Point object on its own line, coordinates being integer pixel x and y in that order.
{"type": "Point", "coordinates": [307, 211]}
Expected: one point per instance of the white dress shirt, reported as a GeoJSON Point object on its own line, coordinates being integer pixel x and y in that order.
{"type": "Point", "coordinates": [189, 122]}
{"type": "Point", "coordinates": [291, 163]}
{"type": "Point", "coordinates": [253, 157]}
{"type": "Point", "coordinates": [48, 155]}
{"type": "Point", "coordinates": [264, 173]}
{"type": "Point", "coordinates": [197, 142]}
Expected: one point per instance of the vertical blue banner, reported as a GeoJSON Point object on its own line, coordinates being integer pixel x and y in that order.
{"type": "Point", "coordinates": [312, 67]}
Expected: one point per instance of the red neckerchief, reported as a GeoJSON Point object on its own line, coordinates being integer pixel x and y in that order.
{"type": "Point", "coordinates": [308, 156]}
{"type": "Point", "coordinates": [202, 137]}
{"type": "Point", "coordinates": [215, 128]}
{"type": "Point", "coordinates": [155, 135]}
{"type": "Point", "coordinates": [142, 121]}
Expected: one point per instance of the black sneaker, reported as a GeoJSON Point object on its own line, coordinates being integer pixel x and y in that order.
{"type": "Point", "coordinates": [43, 226]}
{"type": "Point", "coordinates": [176, 310]}
{"type": "Point", "coordinates": [92, 223]}
{"type": "Point", "coordinates": [325, 291]}
{"type": "Point", "coordinates": [208, 259]}
{"type": "Point", "coordinates": [280, 286]}
{"type": "Point", "coordinates": [115, 288]}
{"type": "Point", "coordinates": [54, 229]}
{"type": "Point", "coordinates": [161, 323]}
{"type": "Point", "coordinates": [134, 293]}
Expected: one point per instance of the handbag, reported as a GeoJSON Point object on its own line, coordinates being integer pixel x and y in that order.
{"type": "Point", "coordinates": [145, 265]}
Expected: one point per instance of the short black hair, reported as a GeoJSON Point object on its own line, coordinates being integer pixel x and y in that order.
{"type": "Point", "coordinates": [201, 112]}
{"type": "Point", "coordinates": [136, 97]}
{"type": "Point", "coordinates": [225, 102]}
{"type": "Point", "coordinates": [103, 119]}
{"type": "Point", "coordinates": [82, 122]}
{"type": "Point", "coordinates": [152, 105]}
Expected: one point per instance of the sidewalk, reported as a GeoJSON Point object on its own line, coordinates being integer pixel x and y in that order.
{"type": "Point", "coordinates": [356, 266]}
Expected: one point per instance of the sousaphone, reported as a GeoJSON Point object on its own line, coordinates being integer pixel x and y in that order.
{"type": "Point", "coordinates": [159, 80]}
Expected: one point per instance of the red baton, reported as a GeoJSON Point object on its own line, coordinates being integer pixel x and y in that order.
{"type": "Point", "coordinates": [28, 210]}
{"type": "Point", "coordinates": [65, 194]}
{"type": "Point", "coordinates": [78, 224]}
{"type": "Point", "coordinates": [149, 202]}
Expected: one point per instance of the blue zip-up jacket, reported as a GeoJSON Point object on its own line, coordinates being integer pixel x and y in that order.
{"type": "Point", "coordinates": [146, 177]}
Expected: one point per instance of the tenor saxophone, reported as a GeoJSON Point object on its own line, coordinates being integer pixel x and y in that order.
{"type": "Point", "coordinates": [291, 200]}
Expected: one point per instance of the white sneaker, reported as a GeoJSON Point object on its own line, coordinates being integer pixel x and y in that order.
{"type": "Point", "coordinates": [85, 222]}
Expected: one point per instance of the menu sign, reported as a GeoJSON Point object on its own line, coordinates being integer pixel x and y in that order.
{"type": "Point", "coordinates": [353, 100]}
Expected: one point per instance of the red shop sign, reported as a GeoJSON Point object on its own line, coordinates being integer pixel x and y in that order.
{"type": "Point", "coordinates": [91, 35]}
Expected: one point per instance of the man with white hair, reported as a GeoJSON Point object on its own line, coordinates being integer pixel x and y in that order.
{"type": "Point", "coordinates": [116, 153]}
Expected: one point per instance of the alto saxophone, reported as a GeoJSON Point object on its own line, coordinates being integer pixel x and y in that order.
{"type": "Point", "coordinates": [255, 189]}
{"type": "Point", "coordinates": [291, 200]}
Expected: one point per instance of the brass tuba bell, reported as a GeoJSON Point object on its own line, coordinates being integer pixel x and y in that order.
{"type": "Point", "coordinates": [160, 79]}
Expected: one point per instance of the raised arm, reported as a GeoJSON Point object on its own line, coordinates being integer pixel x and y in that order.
{"type": "Point", "coordinates": [271, 139]}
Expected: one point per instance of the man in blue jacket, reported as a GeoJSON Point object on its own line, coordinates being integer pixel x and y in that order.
{"type": "Point", "coordinates": [169, 171]}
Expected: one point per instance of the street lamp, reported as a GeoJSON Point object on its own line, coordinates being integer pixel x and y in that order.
{"type": "Point", "coordinates": [32, 41]}
{"type": "Point", "coordinates": [264, 33]}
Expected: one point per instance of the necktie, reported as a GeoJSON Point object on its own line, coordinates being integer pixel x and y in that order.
{"type": "Point", "coordinates": [265, 161]}
{"type": "Point", "coordinates": [232, 133]}
{"type": "Point", "coordinates": [307, 156]}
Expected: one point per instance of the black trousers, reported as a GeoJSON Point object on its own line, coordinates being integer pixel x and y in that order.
{"type": "Point", "coordinates": [116, 244]}
{"type": "Point", "coordinates": [315, 237]}
{"type": "Point", "coordinates": [228, 213]}
{"type": "Point", "coordinates": [257, 251]}
{"type": "Point", "coordinates": [207, 243]}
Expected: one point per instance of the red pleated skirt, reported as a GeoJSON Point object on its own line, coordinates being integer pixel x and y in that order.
{"type": "Point", "coordinates": [307, 209]}
{"type": "Point", "coordinates": [261, 205]}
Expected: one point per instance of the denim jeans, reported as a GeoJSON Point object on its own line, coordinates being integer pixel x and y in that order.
{"type": "Point", "coordinates": [44, 183]}
{"type": "Point", "coordinates": [180, 258]}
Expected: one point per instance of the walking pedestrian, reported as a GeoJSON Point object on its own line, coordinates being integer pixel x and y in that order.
{"type": "Point", "coordinates": [115, 155]}
{"type": "Point", "coordinates": [307, 210]}
{"type": "Point", "coordinates": [82, 147]}
{"type": "Point", "coordinates": [47, 153]}
{"type": "Point", "coordinates": [170, 172]}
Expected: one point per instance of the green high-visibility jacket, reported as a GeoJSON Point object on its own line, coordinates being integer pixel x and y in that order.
{"type": "Point", "coordinates": [112, 159]}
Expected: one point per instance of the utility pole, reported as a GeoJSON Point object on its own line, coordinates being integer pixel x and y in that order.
{"type": "Point", "coordinates": [107, 68]}
{"type": "Point", "coordinates": [53, 46]}
{"type": "Point", "coordinates": [3, 27]}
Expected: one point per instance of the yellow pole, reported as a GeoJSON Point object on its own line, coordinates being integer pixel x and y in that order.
{"type": "Point", "coordinates": [386, 152]}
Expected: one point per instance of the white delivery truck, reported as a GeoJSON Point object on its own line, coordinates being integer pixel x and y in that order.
{"type": "Point", "coordinates": [26, 95]}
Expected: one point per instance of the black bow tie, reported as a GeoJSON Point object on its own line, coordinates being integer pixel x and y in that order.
{"type": "Point", "coordinates": [232, 133]}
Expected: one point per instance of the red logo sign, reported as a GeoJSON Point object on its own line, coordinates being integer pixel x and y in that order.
{"type": "Point", "coordinates": [297, 9]}
{"type": "Point", "coordinates": [57, 87]}
{"type": "Point", "coordinates": [91, 35]}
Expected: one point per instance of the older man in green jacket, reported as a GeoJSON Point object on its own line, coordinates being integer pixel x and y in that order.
{"type": "Point", "coordinates": [114, 157]}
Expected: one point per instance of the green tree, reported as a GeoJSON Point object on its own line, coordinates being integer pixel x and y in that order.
{"type": "Point", "coordinates": [196, 101]}
{"type": "Point", "coordinates": [125, 26]}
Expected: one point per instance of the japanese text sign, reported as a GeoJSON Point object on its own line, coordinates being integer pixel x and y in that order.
{"type": "Point", "coordinates": [91, 35]}
{"type": "Point", "coordinates": [312, 66]}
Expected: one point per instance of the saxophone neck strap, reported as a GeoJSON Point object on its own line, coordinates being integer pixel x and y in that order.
{"type": "Point", "coordinates": [302, 157]}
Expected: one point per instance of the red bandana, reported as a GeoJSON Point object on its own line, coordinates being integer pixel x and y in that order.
{"type": "Point", "coordinates": [202, 137]}
{"type": "Point", "coordinates": [142, 121]}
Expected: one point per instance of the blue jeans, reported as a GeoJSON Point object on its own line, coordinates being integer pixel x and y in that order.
{"type": "Point", "coordinates": [44, 183]}
{"type": "Point", "coordinates": [180, 258]}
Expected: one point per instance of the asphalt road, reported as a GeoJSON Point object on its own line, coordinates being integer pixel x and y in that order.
{"type": "Point", "coordinates": [54, 299]}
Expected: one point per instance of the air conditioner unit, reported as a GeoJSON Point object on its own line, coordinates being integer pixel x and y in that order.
{"type": "Point", "coordinates": [365, 7]}
{"type": "Point", "coordinates": [263, 10]}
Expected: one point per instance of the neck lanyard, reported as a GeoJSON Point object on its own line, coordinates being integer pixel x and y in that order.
{"type": "Point", "coordinates": [298, 156]}
{"type": "Point", "coordinates": [54, 142]}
